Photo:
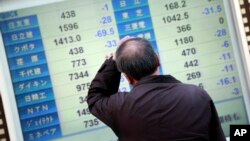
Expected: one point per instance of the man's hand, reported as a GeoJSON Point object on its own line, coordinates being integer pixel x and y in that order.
{"type": "Point", "coordinates": [110, 55]}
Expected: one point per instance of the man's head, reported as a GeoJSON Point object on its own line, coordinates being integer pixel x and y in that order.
{"type": "Point", "coordinates": [136, 58]}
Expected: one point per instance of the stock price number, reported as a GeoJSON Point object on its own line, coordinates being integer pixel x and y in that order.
{"type": "Point", "coordinates": [201, 85]}
{"type": "Point", "coordinates": [67, 40]}
{"type": "Point", "coordinates": [106, 20]}
{"type": "Point", "coordinates": [78, 75]}
{"type": "Point", "coordinates": [78, 63]}
{"type": "Point", "coordinates": [236, 91]}
{"type": "Point", "coordinates": [82, 99]}
{"type": "Point", "coordinates": [175, 17]}
{"type": "Point", "coordinates": [83, 86]}
{"type": "Point", "coordinates": [76, 51]}
{"type": "Point", "coordinates": [226, 56]}
{"type": "Point", "coordinates": [225, 44]}
{"type": "Point", "coordinates": [83, 112]}
{"type": "Point", "coordinates": [68, 14]}
{"type": "Point", "coordinates": [111, 43]}
{"type": "Point", "coordinates": [184, 40]}
{"type": "Point", "coordinates": [184, 28]}
{"type": "Point", "coordinates": [176, 5]}
{"type": "Point", "coordinates": [68, 27]}
{"type": "Point", "coordinates": [227, 81]}
{"type": "Point", "coordinates": [188, 51]}
{"type": "Point", "coordinates": [91, 123]}
{"type": "Point", "coordinates": [193, 75]}
{"type": "Point", "coordinates": [220, 32]}
{"type": "Point", "coordinates": [212, 10]}
{"type": "Point", "coordinates": [228, 68]}
{"type": "Point", "coordinates": [191, 63]}
{"type": "Point", "coordinates": [105, 32]}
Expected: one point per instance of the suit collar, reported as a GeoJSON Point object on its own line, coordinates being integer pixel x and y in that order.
{"type": "Point", "coordinates": [157, 79]}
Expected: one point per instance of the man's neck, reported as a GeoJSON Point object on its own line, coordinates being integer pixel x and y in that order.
{"type": "Point", "coordinates": [156, 72]}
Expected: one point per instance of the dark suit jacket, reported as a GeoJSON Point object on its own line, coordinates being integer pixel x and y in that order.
{"type": "Point", "coordinates": [158, 108]}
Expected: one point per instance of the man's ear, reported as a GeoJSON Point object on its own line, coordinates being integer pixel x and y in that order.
{"type": "Point", "coordinates": [131, 80]}
{"type": "Point", "coordinates": [158, 60]}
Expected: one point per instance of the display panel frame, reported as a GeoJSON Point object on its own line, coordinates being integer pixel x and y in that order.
{"type": "Point", "coordinates": [6, 87]}
{"type": "Point", "coordinates": [9, 100]}
{"type": "Point", "coordinates": [243, 60]}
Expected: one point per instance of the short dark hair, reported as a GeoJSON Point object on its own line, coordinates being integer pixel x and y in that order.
{"type": "Point", "coordinates": [136, 58]}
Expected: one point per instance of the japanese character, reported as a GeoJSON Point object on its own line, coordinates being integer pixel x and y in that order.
{"type": "Point", "coordinates": [31, 46]}
{"type": "Point", "coordinates": [34, 58]}
{"type": "Point", "coordinates": [37, 71]}
{"type": "Point", "coordinates": [29, 123]}
{"type": "Point", "coordinates": [142, 24]}
{"type": "Point", "coordinates": [30, 72]}
{"type": "Point", "coordinates": [135, 26]}
{"type": "Point", "coordinates": [44, 120]}
{"type": "Point", "coordinates": [31, 137]}
{"type": "Point", "coordinates": [127, 27]}
{"type": "Point", "coordinates": [29, 34]}
{"type": "Point", "coordinates": [42, 95]}
{"type": "Point", "coordinates": [139, 13]}
{"type": "Point", "coordinates": [36, 83]}
{"type": "Point", "coordinates": [21, 86]}
{"type": "Point", "coordinates": [35, 96]}
{"type": "Point", "coordinates": [17, 49]}
{"type": "Point", "coordinates": [14, 37]}
{"type": "Point", "coordinates": [27, 98]}
{"type": "Point", "coordinates": [123, 3]}
{"type": "Point", "coordinates": [125, 15]}
{"type": "Point", "coordinates": [19, 23]}
{"type": "Point", "coordinates": [19, 61]}
{"type": "Point", "coordinates": [43, 82]}
{"type": "Point", "coordinates": [22, 73]}
{"type": "Point", "coordinates": [137, 2]}
{"type": "Point", "coordinates": [24, 48]}
{"type": "Point", "coordinates": [22, 36]}
{"type": "Point", "coordinates": [140, 35]}
{"type": "Point", "coordinates": [46, 132]}
{"type": "Point", "coordinates": [53, 131]}
{"type": "Point", "coordinates": [49, 119]}
{"type": "Point", "coordinates": [26, 22]}
{"type": "Point", "coordinates": [147, 35]}
{"type": "Point", "coordinates": [38, 135]}
{"type": "Point", "coordinates": [28, 85]}
{"type": "Point", "coordinates": [11, 25]}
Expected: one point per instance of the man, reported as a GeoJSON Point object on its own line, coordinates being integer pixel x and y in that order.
{"type": "Point", "coordinates": [158, 108]}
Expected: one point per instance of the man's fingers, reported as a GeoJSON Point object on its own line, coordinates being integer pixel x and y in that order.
{"type": "Point", "coordinates": [109, 55]}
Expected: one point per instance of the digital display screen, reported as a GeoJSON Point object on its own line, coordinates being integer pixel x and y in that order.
{"type": "Point", "coordinates": [53, 52]}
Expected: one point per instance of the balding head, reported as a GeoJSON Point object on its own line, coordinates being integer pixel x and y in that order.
{"type": "Point", "coordinates": [136, 58]}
